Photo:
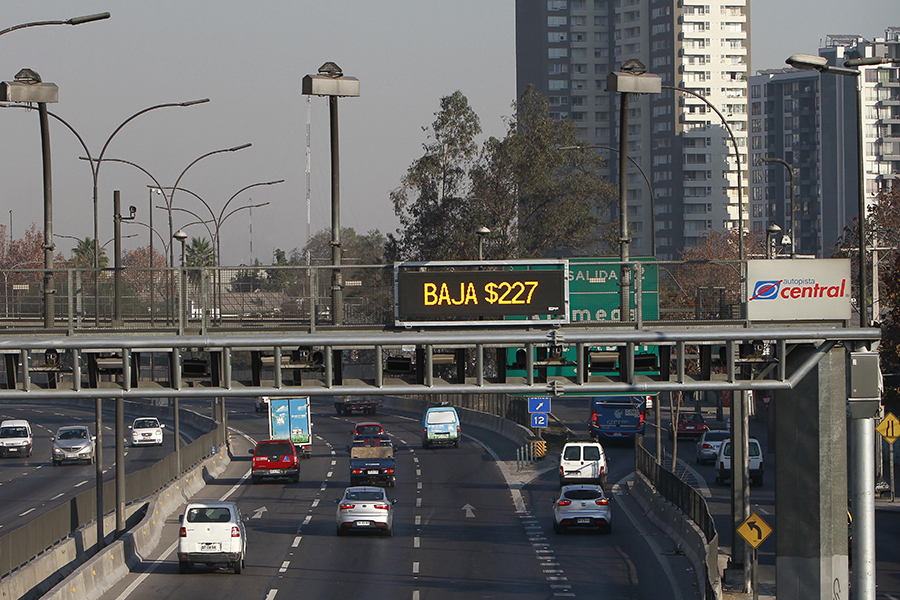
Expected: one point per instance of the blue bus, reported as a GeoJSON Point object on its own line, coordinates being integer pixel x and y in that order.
{"type": "Point", "coordinates": [617, 417]}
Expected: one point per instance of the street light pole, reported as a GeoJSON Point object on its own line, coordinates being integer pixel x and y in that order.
{"type": "Point", "coordinates": [793, 230]}
{"type": "Point", "coordinates": [117, 271]}
{"type": "Point", "coordinates": [331, 82]}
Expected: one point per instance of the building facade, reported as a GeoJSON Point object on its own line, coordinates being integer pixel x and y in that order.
{"type": "Point", "coordinates": [692, 146]}
{"type": "Point", "coordinates": [810, 120]}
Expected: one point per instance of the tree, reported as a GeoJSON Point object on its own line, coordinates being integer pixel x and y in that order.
{"type": "Point", "coordinates": [430, 201]}
{"type": "Point", "coordinates": [199, 254]}
{"type": "Point", "coordinates": [138, 275]}
{"type": "Point", "coordinates": [83, 255]}
{"type": "Point", "coordinates": [537, 198]}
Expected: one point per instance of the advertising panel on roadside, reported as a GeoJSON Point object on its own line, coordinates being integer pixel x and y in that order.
{"type": "Point", "coordinates": [799, 290]}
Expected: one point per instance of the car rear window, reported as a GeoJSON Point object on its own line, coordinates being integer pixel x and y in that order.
{"type": "Point", "coordinates": [271, 449]}
{"type": "Point", "coordinates": [694, 418]}
{"type": "Point", "coordinates": [572, 453]}
{"type": "Point", "coordinates": [441, 416]}
{"type": "Point", "coordinates": [209, 515]}
{"type": "Point", "coordinates": [583, 494]}
{"type": "Point", "coordinates": [366, 496]}
{"type": "Point", "coordinates": [591, 453]}
{"type": "Point", "coordinates": [717, 436]}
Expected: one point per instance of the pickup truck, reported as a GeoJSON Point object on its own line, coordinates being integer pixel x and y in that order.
{"type": "Point", "coordinates": [372, 465]}
{"type": "Point", "coordinates": [367, 405]}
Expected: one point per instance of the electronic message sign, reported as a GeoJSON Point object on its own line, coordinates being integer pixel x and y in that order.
{"type": "Point", "coordinates": [449, 293]}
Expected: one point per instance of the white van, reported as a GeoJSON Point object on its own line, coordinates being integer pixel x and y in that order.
{"type": "Point", "coordinates": [440, 427]}
{"type": "Point", "coordinates": [212, 533]}
{"type": "Point", "coordinates": [583, 462]}
{"type": "Point", "coordinates": [15, 438]}
{"type": "Point", "coordinates": [723, 462]}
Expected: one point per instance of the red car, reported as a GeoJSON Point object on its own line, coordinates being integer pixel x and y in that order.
{"type": "Point", "coordinates": [368, 428]}
{"type": "Point", "coordinates": [690, 425]}
{"type": "Point", "coordinates": [275, 458]}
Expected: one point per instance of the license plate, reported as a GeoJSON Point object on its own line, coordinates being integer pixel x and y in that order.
{"type": "Point", "coordinates": [372, 472]}
{"type": "Point", "coordinates": [362, 523]}
{"type": "Point", "coordinates": [209, 547]}
{"type": "Point", "coordinates": [583, 521]}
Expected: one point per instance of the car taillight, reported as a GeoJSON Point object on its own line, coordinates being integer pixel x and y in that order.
{"type": "Point", "coordinates": [388, 471]}
{"type": "Point", "coordinates": [564, 502]}
{"type": "Point", "coordinates": [356, 471]}
{"type": "Point", "coordinates": [601, 502]}
{"type": "Point", "coordinates": [602, 470]}
{"type": "Point", "coordinates": [642, 418]}
{"type": "Point", "coordinates": [707, 446]}
{"type": "Point", "coordinates": [346, 506]}
{"type": "Point", "coordinates": [457, 431]}
{"type": "Point", "coordinates": [235, 531]}
{"type": "Point", "coordinates": [382, 506]}
{"type": "Point", "coordinates": [182, 532]}
{"type": "Point", "coordinates": [594, 417]}
{"type": "Point", "coordinates": [561, 471]}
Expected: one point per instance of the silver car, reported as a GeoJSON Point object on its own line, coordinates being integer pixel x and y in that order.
{"type": "Point", "coordinates": [73, 443]}
{"type": "Point", "coordinates": [581, 507]}
{"type": "Point", "coordinates": [708, 445]}
{"type": "Point", "coordinates": [365, 508]}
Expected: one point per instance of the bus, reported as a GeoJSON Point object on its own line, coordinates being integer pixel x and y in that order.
{"type": "Point", "coordinates": [617, 417]}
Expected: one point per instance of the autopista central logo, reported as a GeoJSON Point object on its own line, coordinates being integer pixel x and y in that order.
{"type": "Point", "coordinates": [766, 290]}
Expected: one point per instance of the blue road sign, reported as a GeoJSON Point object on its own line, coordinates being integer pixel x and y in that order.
{"type": "Point", "coordinates": [539, 419]}
{"type": "Point", "coordinates": [539, 405]}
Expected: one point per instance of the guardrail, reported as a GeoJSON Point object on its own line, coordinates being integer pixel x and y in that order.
{"type": "Point", "coordinates": [261, 298]}
{"type": "Point", "coordinates": [21, 545]}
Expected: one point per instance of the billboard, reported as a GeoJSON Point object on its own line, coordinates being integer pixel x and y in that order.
{"type": "Point", "coordinates": [798, 290]}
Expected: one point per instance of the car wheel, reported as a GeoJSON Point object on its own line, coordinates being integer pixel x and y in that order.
{"type": "Point", "coordinates": [55, 463]}
{"type": "Point", "coordinates": [296, 478]}
{"type": "Point", "coordinates": [392, 482]}
{"type": "Point", "coordinates": [238, 566]}
{"type": "Point", "coordinates": [184, 567]}
{"type": "Point", "coordinates": [390, 531]}
{"type": "Point", "coordinates": [339, 531]}
{"type": "Point", "coordinates": [607, 529]}
{"type": "Point", "coordinates": [557, 528]}
{"type": "Point", "coordinates": [456, 444]}
{"type": "Point", "coordinates": [255, 479]}
{"type": "Point", "coordinates": [425, 445]}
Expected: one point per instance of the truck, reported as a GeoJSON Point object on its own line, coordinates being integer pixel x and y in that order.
{"type": "Point", "coordinates": [373, 465]}
{"type": "Point", "coordinates": [367, 405]}
{"type": "Point", "coordinates": [289, 419]}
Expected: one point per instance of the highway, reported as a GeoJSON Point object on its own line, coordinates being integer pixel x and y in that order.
{"type": "Point", "coordinates": [457, 530]}
{"type": "Point", "coordinates": [30, 486]}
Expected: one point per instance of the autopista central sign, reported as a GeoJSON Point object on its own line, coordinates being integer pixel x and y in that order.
{"type": "Point", "coordinates": [798, 290]}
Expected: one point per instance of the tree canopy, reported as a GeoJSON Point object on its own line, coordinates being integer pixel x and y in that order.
{"type": "Point", "coordinates": [537, 194]}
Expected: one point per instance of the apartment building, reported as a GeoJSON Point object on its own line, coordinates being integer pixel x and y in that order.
{"type": "Point", "coordinates": [810, 121]}
{"type": "Point", "coordinates": [566, 48]}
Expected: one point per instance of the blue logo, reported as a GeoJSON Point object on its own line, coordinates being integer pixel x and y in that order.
{"type": "Point", "coordinates": [766, 290]}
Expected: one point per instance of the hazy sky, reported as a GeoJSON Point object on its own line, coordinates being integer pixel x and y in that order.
{"type": "Point", "coordinates": [249, 59]}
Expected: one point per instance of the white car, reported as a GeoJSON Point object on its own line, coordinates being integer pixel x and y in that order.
{"type": "Point", "coordinates": [709, 443]}
{"type": "Point", "coordinates": [583, 462]}
{"type": "Point", "coordinates": [212, 533]}
{"type": "Point", "coordinates": [365, 508]}
{"type": "Point", "coordinates": [15, 438]}
{"type": "Point", "coordinates": [581, 507]}
{"type": "Point", "coordinates": [147, 431]}
{"type": "Point", "coordinates": [723, 462]}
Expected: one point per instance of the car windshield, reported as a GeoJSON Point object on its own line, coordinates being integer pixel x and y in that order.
{"type": "Point", "coordinates": [591, 453]}
{"type": "Point", "coordinates": [368, 429]}
{"type": "Point", "coordinates": [72, 434]}
{"type": "Point", "coordinates": [717, 436]}
{"type": "Point", "coordinates": [591, 494]}
{"type": "Point", "coordinates": [13, 432]}
{"type": "Point", "coordinates": [441, 416]}
{"type": "Point", "coordinates": [572, 453]}
{"type": "Point", "coordinates": [209, 515]}
{"type": "Point", "coordinates": [365, 496]}
{"type": "Point", "coordinates": [146, 424]}
{"type": "Point", "coordinates": [274, 448]}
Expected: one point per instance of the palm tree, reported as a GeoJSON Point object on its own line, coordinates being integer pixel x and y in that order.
{"type": "Point", "coordinates": [83, 255]}
{"type": "Point", "coordinates": [200, 253]}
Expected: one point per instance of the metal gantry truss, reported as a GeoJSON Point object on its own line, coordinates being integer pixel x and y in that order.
{"type": "Point", "coordinates": [108, 365]}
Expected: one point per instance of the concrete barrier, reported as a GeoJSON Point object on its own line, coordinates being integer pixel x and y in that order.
{"type": "Point", "coordinates": [702, 553]}
{"type": "Point", "coordinates": [93, 578]}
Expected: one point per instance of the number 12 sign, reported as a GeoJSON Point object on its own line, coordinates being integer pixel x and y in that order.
{"type": "Point", "coordinates": [538, 419]}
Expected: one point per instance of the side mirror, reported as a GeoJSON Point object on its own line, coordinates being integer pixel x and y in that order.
{"type": "Point", "coordinates": [245, 518]}
{"type": "Point", "coordinates": [162, 425]}
{"type": "Point", "coordinates": [53, 439]}
{"type": "Point", "coordinates": [394, 501]}
{"type": "Point", "coordinates": [93, 438]}
{"type": "Point", "coordinates": [129, 427]}
{"type": "Point", "coordinates": [552, 500]}
{"type": "Point", "coordinates": [180, 518]}
{"type": "Point", "coordinates": [251, 451]}
{"type": "Point", "coordinates": [336, 500]}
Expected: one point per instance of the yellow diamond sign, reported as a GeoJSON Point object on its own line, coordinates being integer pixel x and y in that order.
{"type": "Point", "coordinates": [754, 530]}
{"type": "Point", "coordinates": [889, 428]}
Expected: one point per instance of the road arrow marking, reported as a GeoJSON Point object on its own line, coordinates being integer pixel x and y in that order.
{"type": "Point", "coordinates": [257, 514]}
{"type": "Point", "coordinates": [470, 510]}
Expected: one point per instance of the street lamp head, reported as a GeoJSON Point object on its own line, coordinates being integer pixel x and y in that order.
{"type": "Point", "coordinates": [193, 102]}
{"type": "Point", "coordinates": [180, 235]}
{"type": "Point", "coordinates": [773, 229]}
{"type": "Point", "coordinates": [808, 62]}
{"type": "Point", "coordinates": [635, 66]}
{"type": "Point", "coordinates": [133, 210]}
{"type": "Point", "coordinates": [27, 76]}
{"type": "Point", "coordinates": [87, 18]}
{"type": "Point", "coordinates": [241, 147]}
{"type": "Point", "coordinates": [331, 69]}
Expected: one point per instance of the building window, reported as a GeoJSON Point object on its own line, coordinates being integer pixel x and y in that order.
{"type": "Point", "coordinates": [557, 21]}
{"type": "Point", "coordinates": [554, 37]}
{"type": "Point", "coordinates": [558, 84]}
{"type": "Point", "coordinates": [556, 5]}
{"type": "Point", "coordinates": [557, 53]}
{"type": "Point", "coordinates": [579, 21]}
{"type": "Point", "coordinates": [557, 68]}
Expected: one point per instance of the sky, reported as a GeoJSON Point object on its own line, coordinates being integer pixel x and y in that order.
{"type": "Point", "coordinates": [249, 59]}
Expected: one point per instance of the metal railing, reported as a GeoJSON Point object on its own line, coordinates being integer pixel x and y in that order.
{"type": "Point", "coordinates": [228, 298]}
{"type": "Point", "coordinates": [21, 545]}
